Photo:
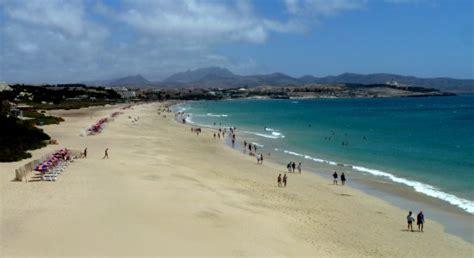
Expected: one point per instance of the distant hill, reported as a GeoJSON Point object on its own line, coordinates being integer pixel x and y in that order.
{"type": "Point", "coordinates": [135, 80]}
{"type": "Point", "coordinates": [209, 73]}
{"type": "Point", "coordinates": [438, 83]}
{"type": "Point", "coordinates": [211, 77]}
{"type": "Point", "coordinates": [217, 77]}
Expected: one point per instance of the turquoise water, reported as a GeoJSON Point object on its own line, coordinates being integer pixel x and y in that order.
{"type": "Point", "coordinates": [424, 143]}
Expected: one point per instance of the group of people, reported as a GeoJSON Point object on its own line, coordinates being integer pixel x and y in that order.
{"type": "Point", "coordinates": [335, 176]}
{"type": "Point", "coordinates": [251, 147]}
{"type": "Point", "coordinates": [345, 142]}
{"type": "Point", "coordinates": [292, 167]}
{"type": "Point", "coordinates": [221, 133]}
{"type": "Point", "coordinates": [282, 180]}
{"type": "Point", "coordinates": [420, 221]}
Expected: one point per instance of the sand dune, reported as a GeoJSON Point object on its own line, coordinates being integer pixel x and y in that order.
{"type": "Point", "coordinates": [165, 191]}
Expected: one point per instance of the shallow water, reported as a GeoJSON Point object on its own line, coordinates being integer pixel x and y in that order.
{"type": "Point", "coordinates": [423, 143]}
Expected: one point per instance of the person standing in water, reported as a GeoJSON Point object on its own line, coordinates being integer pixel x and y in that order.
{"type": "Point", "coordinates": [420, 220]}
{"type": "Point", "coordinates": [299, 167]}
{"type": "Point", "coordinates": [343, 178]}
{"type": "Point", "coordinates": [410, 221]}
{"type": "Point", "coordinates": [284, 180]}
{"type": "Point", "coordinates": [334, 176]}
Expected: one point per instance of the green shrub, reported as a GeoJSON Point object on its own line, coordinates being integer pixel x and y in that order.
{"type": "Point", "coordinates": [42, 119]}
{"type": "Point", "coordinates": [17, 137]}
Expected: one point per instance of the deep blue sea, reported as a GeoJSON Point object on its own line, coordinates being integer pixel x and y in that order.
{"type": "Point", "coordinates": [426, 144]}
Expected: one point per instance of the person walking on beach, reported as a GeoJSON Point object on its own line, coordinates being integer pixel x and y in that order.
{"type": "Point", "coordinates": [106, 154]}
{"type": "Point", "coordinates": [214, 135]}
{"type": "Point", "coordinates": [420, 220]}
{"type": "Point", "coordinates": [85, 153]}
{"type": "Point", "coordinates": [279, 180]}
{"type": "Point", "coordinates": [334, 176]}
{"type": "Point", "coordinates": [284, 180]}
{"type": "Point", "coordinates": [288, 166]}
{"type": "Point", "coordinates": [343, 178]}
{"type": "Point", "coordinates": [410, 221]}
{"type": "Point", "coordinates": [261, 158]}
{"type": "Point", "coordinates": [299, 167]}
{"type": "Point", "coordinates": [233, 142]}
{"type": "Point", "coordinates": [293, 166]}
{"type": "Point", "coordinates": [245, 146]}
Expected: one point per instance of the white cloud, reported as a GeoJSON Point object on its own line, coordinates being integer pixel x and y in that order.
{"type": "Point", "coordinates": [66, 16]}
{"type": "Point", "coordinates": [71, 41]}
{"type": "Point", "coordinates": [201, 21]}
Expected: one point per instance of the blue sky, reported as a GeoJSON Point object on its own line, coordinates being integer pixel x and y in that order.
{"type": "Point", "coordinates": [70, 41]}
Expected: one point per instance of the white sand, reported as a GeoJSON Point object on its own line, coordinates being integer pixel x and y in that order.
{"type": "Point", "coordinates": [165, 191]}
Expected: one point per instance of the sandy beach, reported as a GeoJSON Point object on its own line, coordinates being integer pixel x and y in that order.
{"type": "Point", "coordinates": [167, 192]}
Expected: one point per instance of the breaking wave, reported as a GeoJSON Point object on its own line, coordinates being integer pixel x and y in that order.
{"type": "Point", "coordinates": [417, 186]}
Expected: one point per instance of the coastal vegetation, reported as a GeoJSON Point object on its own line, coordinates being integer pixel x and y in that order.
{"type": "Point", "coordinates": [41, 119]}
{"type": "Point", "coordinates": [17, 137]}
{"type": "Point", "coordinates": [60, 96]}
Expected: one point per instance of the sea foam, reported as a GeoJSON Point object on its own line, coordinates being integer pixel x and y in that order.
{"type": "Point", "coordinates": [417, 186]}
{"type": "Point", "coordinates": [216, 115]}
{"type": "Point", "coordinates": [274, 135]}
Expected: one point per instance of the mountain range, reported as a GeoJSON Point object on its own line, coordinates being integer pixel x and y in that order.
{"type": "Point", "coordinates": [217, 77]}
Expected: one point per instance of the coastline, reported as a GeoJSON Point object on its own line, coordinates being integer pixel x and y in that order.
{"type": "Point", "coordinates": [164, 189]}
{"type": "Point", "coordinates": [456, 220]}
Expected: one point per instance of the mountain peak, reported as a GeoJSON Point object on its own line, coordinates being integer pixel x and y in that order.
{"type": "Point", "coordinates": [133, 80]}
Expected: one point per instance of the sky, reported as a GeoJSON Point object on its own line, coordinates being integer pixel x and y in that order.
{"type": "Point", "coordinates": [58, 41]}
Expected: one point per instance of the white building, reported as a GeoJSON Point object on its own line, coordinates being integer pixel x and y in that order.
{"type": "Point", "coordinates": [125, 93]}
{"type": "Point", "coordinates": [5, 87]}
{"type": "Point", "coordinates": [393, 83]}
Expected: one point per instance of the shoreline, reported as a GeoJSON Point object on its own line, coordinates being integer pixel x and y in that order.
{"type": "Point", "coordinates": [164, 188]}
{"type": "Point", "coordinates": [456, 220]}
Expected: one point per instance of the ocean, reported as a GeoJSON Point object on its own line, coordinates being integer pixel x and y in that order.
{"type": "Point", "coordinates": [425, 144]}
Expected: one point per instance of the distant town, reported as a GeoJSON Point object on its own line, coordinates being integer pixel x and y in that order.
{"type": "Point", "coordinates": [19, 97]}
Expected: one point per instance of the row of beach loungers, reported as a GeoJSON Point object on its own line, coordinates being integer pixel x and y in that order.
{"type": "Point", "coordinates": [100, 125]}
{"type": "Point", "coordinates": [47, 167]}
{"type": "Point", "coordinates": [51, 167]}
{"type": "Point", "coordinates": [97, 127]}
